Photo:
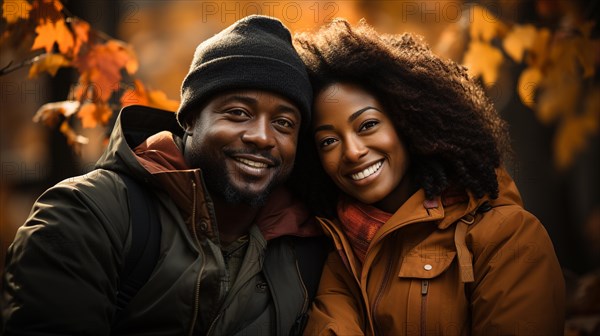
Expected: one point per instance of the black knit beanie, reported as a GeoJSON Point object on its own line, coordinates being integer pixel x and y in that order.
{"type": "Point", "coordinates": [254, 53]}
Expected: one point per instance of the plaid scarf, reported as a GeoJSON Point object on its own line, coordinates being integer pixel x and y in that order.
{"type": "Point", "coordinates": [360, 222]}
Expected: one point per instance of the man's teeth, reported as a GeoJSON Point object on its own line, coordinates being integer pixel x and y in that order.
{"type": "Point", "coordinates": [251, 163]}
{"type": "Point", "coordinates": [367, 172]}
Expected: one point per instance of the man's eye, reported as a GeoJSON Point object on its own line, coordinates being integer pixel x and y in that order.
{"type": "Point", "coordinates": [326, 142]}
{"type": "Point", "coordinates": [368, 124]}
{"type": "Point", "coordinates": [237, 112]}
{"type": "Point", "coordinates": [284, 123]}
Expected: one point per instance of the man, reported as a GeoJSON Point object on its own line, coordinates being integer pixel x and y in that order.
{"type": "Point", "coordinates": [229, 256]}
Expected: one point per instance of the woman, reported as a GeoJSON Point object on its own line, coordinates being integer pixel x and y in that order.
{"type": "Point", "coordinates": [430, 231]}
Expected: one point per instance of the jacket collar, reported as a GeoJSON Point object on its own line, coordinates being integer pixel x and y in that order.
{"type": "Point", "coordinates": [445, 209]}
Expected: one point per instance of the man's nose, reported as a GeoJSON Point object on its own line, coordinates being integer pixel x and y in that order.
{"type": "Point", "coordinates": [259, 133]}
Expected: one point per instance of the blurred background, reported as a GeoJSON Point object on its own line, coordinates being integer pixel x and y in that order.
{"type": "Point", "coordinates": [538, 59]}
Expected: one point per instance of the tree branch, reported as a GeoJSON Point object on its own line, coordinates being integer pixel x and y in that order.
{"type": "Point", "coordinates": [8, 69]}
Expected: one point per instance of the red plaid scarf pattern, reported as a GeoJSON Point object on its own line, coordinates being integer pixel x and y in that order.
{"type": "Point", "coordinates": [360, 223]}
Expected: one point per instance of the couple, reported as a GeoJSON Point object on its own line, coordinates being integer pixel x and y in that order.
{"type": "Point", "coordinates": [399, 154]}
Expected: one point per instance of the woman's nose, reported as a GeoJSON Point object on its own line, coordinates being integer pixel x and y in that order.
{"type": "Point", "coordinates": [354, 149]}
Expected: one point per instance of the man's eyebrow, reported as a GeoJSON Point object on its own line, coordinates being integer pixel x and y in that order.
{"type": "Point", "coordinates": [251, 100]}
{"type": "Point", "coordinates": [244, 99]}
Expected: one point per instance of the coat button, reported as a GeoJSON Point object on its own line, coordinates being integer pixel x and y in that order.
{"type": "Point", "coordinates": [427, 267]}
{"type": "Point", "coordinates": [203, 226]}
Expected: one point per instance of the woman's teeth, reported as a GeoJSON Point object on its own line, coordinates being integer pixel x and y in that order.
{"type": "Point", "coordinates": [367, 172]}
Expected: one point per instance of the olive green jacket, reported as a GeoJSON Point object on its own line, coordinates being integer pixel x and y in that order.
{"type": "Point", "coordinates": [63, 268]}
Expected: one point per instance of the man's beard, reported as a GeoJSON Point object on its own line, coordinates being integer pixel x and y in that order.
{"type": "Point", "coordinates": [218, 181]}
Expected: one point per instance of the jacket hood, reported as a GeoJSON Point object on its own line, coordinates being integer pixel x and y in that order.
{"type": "Point", "coordinates": [146, 145]}
{"type": "Point", "coordinates": [455, 209]}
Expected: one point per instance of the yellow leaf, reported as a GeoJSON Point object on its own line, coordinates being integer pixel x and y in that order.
{"type": "Point", "coordinates": [159, 99]}
{"type": "Point", "coordinates": [125, 53]}
{"type": "Point", "coordinates": [64, 37]}
{"type": "Point", "coordinates": [483, 59]}
{"type": "Point", "coordinates": [46, 10]}
{"type": "Point", "coordinates": [82, 31]}
{"type": "Point", "coordinates": [49, 33]}
{"type": "Point", "coordinates": [137, 96]}
{"type": "Point", "coordinates": [539, 49]}
{"type": "Point", "coordinates": [528, 82]}
{"type": "Point", "coordinates": [519, 40]}
{"type": "Point", "coordinates": [48, 62]}
{"type": "Point", "coordinates": [91, 114]}
{"type": "Point", "coordinates": [558, 96]}
{"type": "Point", "coordinates": [154, 98]}
{"type": "Point", "coordinates": [45, 36]}
{"type": "Point", "coordinates": [73, 139]}
{"type": "Point", "coordinates": [50, 113]}
{"type": "Point", "coordinates": [13, 10]}
{"type": "Point", "coordinates": [586, 55]}
{"type": "Point", "coordinates": [101, 67]}
{"type": "Point", "coordinates": [571, 138]}
{"type": "Point", "coordinates": [484, 25]}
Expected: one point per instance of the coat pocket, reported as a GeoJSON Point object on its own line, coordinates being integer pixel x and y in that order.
{"type": "Point", "coordinates": [425, 266]}
{"type": "Point", "coordinates": [421, 270]}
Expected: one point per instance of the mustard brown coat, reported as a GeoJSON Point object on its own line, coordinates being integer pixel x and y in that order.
{"type": "Point", "coordinates": [471, 268]}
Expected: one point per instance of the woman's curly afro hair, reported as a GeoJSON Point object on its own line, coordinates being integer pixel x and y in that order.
{"type": "Point", "coordinates": [453, 134]}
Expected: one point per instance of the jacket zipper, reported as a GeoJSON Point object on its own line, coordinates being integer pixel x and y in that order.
{"type": "Point", "coordinates": [198, 278]}
{"type": "Point", "coordinates": [424, 291]}
{"type": "Point", "coordinates": [305, 304]}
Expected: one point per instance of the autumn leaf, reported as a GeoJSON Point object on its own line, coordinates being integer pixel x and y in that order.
{"type": "Point", "coordinates": [135, 96]}
{"type": "Point", "coordinates": [48, 62]}
{"type": "Point", "coordinates": [50, 113]}
{"type": "Point", "coordinates": [155, 98]}
{"type": "Point", "coordinates": [49, 33]}
{"type": "Point", "coordinates": [586, 54]}
{"type": "Point", "coordinates": [571, 138]}
{"type": "Point", "coordinates": [14, 10]}
{"type": "Point", "coordinates": [91, 114]}
{"type": "Point", "coordinates": [101, 67]}
{"type": "Point", "coordinates": [539, 49]}
{"type": "Point", "coordinates": [484, 25]}
{"type": "Point", "coordinates": [73, 139]}
{"type": "Point", "coordinates": [82, 31]}
{"type": "Point", "coordinates": [126, 55]}
{"type": "Point", "coordinates": [519, 40]}
{"type": "Point", "coordinates": [558, 96]}
{"type": "Point", "coordinates": [46, 10]}
{"type": "Point", "coordinates": [483, 59]}
{"type": "Point", "coordinates": [64, 37]}
{"type": "Point", "coordinates": [528, 82]}
{"type": "Point", "coordinates": [45, 37]}
{"type": "Point", "coordinates": [160, 100]}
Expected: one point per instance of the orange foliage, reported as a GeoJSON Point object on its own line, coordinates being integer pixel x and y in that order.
{"type": "Point", "coordinates": [552, 83]}
{"type": "Point", "coordinates": [155, 98]}
{"type": "Point", "coordinates": [100, 61]}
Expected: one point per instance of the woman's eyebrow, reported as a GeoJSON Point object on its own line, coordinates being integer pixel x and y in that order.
{"type": "Point", "coordinates": [356, 114]}
{"type": "Point", "coordinates": [351, 118]}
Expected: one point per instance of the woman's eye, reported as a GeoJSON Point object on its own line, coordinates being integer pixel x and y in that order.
{"type": "Point", "coordinates": [326, 142]}
{"type": "Point", "coordinates": [368, 124]}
